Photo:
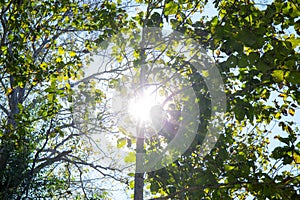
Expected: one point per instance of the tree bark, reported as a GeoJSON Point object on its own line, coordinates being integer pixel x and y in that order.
{"type": "Point", "coordinates": [139, 176]}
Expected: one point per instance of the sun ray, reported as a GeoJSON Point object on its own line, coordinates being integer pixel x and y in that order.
{"type": "Point", "coordinates": [139, 107]}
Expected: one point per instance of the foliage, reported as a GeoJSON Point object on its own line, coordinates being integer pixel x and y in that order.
{"type": "Point", "coordinates": [43, 43]}
{"type": "Point", "coordinates": [257, 51]}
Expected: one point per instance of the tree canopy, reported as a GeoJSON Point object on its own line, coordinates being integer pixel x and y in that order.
{"type": "Point", "coordinates": [228, 124]}
{"type": "Point", "coordinates": [43, 44]}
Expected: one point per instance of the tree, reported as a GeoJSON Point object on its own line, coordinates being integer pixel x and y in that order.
{"type": "Point", "coordinates": [150, 68]}
{"type": "Point", "coordinates": [43, 43]}
{"type": "Point", "coordinates": [48, 104]}
{"type": "Point", "coordinates": [257, 52]}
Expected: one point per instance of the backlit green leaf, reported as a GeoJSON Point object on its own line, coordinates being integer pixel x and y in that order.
{"type": "Point", "coordinates": [130, 158]}
{"type": "Point", "coordinates": [171, 8]}
{"type": "Point", "coordinates": [278, 75]}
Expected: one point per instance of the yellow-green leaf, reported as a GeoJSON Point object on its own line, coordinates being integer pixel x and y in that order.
{"type": "Point", "coordinates": [131, 184]}
{"type": "Point", "coordinates": [123, 130]}
{"type": "Point", "coordinates": [229, 167]}
{"type": "Point", "coordinates": [121, 142]}
{"type": "Point", "coordinates": [61, 51]}
{"type": "Point", "coordinates": [296, 158]}
{"type": "Point", "coordinates": [278, 75]}
{"type": "Point", "coordinates": [295, 42]}
{"type": "Point", "coordinates": [43, 66]}
{"type": "Point", "coordinates": [130, 157]}
{"type": "Point", "coordinates": [278, 115]}
{"type": "Point", "coordinates": [291, 111]}
{"type": "Point", "coordinates": [58, 59]}
{"type": "Point", "coordinates": [171, 8]}
{"type": "Point", "coordinates": [9, 90]}
{"type": "Point", "coordinates": [68, 86]}
{"type": "Point", "coordinates": [72, 54]}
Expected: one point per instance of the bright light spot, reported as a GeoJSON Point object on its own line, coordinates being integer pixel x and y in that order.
{"type": "Point", "coordinates": [139, 107]}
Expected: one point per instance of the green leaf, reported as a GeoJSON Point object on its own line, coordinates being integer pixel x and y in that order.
{"type": "Point", "coordinates": [278, 115]}
{"type": "Point", "coordinates": [214, 21]}
{"type": "Point", "coordinates": [229, 167]}
{"type": "Point", "coordinates": [123, 130]}
{"type": "Point", "coordinates": [293, 77]}
{"type": "Point", "coordinates": [130, 158]}
{"type": "Point", "coordinates": [247, 37]}
{"type": "Point", "coordinates": [291, 111]}
{"type": "Point", "coordinates": [72, 54]}
{"type": "Point", "coordinates": [278, 153]}
{"type": "Point", "coordinates": [61, 50]}
{"type": "Point", "coordinates": [58, 59]}
{"type": "Point", "coordinates": [284, 140]}
{"type": "Point", "coordinates": [131, 174]}
{"type": "Point", "coordinates": [239, 113]}
{"type": "Point", "coordinates": [121, 142]}
{"type": "Point", "coordinates": [131, 184]}
{"type": "Point", "coordinates": [278, 75]}
{"type": "Point", "coordinates": [154, 187]}
{"type": "Point", "coordinates": [171, 8]}
{"type": "Point", "coordinates": [295, 42]}
{"type": "Point", "coordinates": [296, 158]}
{"type": "Point", "coordinates": [287, 159]}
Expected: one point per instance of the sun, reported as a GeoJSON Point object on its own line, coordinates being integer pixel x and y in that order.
{"type": "Point", "coordinates": [139, 106]}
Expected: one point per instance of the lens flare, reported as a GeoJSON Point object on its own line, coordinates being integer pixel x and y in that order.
{"type": "Point", "coordinates": [139, 107]}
